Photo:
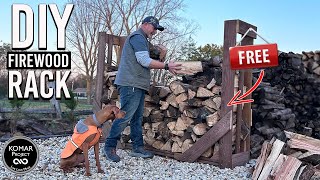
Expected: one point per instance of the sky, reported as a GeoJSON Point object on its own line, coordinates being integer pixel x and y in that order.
{"type": "Point", "coordinates": [292, 24]}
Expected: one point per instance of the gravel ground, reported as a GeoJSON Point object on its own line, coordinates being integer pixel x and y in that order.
{"type": "Point", "coordinates": [128, 168]}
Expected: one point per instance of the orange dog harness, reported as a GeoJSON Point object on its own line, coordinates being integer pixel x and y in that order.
{"type": "Point", "coordinates": [77, 140]}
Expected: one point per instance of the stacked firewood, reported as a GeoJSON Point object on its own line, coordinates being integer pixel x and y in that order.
{"type": "Point", "coordinates": [175, 117]}
{"type": "Point", "coordinates": [286, 100]}
{"type": "Point", "coordinates": [311, 61]}
{"type": "Point", "coordinates": [299, 158]}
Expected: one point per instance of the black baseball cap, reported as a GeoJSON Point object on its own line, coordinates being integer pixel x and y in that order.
{"type": "Point", "coordinates": [154, 21]}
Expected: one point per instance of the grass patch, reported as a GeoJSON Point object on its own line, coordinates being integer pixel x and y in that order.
{"type": "Point", "coordinates": [4, 103]}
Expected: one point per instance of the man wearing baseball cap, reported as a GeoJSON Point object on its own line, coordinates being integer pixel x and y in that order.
{"type": "Point", "coordinates": [133, 81]}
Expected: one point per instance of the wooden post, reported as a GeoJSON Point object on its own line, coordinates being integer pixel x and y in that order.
{"type": "Point", "coordinates": [225, 149]}
{"type": "Point", "coordinates": [100, 71]}
{"type": "Point", "coordinates": [232, 28]}
{"type": "Point", "coordinates": [110, 49]}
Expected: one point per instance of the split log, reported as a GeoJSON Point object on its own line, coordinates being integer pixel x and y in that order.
{"type": "Point", "coordinates": [200, 129]}
{"type": "Point", "coordinates": [177, 87]}
{"type": "Point", "coordinates": [190, 67]}
{"type": "Point", "coordinates": [212, 119]}
{"type": "Point", "coordinates": [288, 169]}
{"type": "Point", "coordinates": [275, 152]}
{"type": "Point", "coordinates": [203, 92]}
{"type": "Point", "coordinates": [164, 91]}
{"type": "Point", "coordinates": [181, 98]}
{"type": "Point", "coordinates": [211, 84]}
{"type": "Point", "coordinates": [303, 142]}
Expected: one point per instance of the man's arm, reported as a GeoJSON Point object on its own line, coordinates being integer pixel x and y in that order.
{"type": "Point", "coordinates": [142, 54]}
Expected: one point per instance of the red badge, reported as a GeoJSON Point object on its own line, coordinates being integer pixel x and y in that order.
{"type": "Point", "coordinates": [254, 56]}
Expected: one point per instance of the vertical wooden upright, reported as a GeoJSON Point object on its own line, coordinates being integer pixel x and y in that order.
{"type": "Point", "coordinates": [100, 71]}
{"type": "Point", "coordinates": [231, 29]}
{"type": "Point", "coordinates": [225, 148]}
{"type": "Point", "coordinates": [110, 40]}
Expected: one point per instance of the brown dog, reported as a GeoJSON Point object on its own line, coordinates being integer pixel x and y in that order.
{"type": "Point", "coordinates": [76, 150]}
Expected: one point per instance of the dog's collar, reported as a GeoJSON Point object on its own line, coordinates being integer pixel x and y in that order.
{"type": "Point", "coordinates": [95, 120]}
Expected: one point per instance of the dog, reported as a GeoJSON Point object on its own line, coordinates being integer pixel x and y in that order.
{"type": "Point", "coordinates": [87, 134]}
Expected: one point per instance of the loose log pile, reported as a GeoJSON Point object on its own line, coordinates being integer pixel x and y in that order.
{"type": "Point", "coordinates": [297, 159]}
{"type": "Point", "coordinates": [288, 99]}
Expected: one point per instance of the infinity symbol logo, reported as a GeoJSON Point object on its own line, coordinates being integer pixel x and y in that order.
{"type": "Point", "coordinates": [23, 161]}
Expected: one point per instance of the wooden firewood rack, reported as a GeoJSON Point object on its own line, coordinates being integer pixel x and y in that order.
{"type": "Point", "coordinates": [221, 131]}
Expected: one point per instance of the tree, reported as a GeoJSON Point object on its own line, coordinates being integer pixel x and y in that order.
{"type": "Point", "coordinates": [82, 33]}
{"type": "Point", "coordinates": [122, 17]}
{"type": "Point", "coordinates": [210, 50]}
{"type": "Point", "coordinates": [189, 51]}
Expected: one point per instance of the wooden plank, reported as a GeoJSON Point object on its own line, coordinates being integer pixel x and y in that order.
{"type": "Point", "coordinates": [247, 112]}
{"type": "Point", "coordinates": [265, 151]}
{"type": "Point", "coordinates": [240, 159]}
{"type": "Point", "coordinates": [122, 41]}
{"type": "Point", "coordinates": [227, 91]}
{"type": "Point", "coordinates": [289, 168]}
{"type": "Point", "coordinates": [239, 114]}
{"type": "Point", "coordinates": [242, 28]}
{"type": "Point", "coordinates": [208, 139]}
{"type": "Point", "coordinates": [172, 155]}
{"type": "Point", "coordinates": [100, 70]}
{"type": "Point", "coordinates": [276, 149]}
{"type": "Point", "coordinates": [110, 49]}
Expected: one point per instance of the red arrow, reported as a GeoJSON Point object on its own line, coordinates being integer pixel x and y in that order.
{"type": "Point", "coordinates": [239, 100]}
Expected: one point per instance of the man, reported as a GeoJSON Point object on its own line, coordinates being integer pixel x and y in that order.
{"type": "Point", "coordinates": [133, 80]}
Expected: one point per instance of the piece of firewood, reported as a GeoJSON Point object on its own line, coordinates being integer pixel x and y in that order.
{"type": "Point", "coordinates": [164, 105]}
{"type": "Point", "coordinates": [177, 133]}
{"type": "Point", "coordinates": [216, 90]}
{"type": "Point", "coordinates": [164, 91]}
{"type": "Point", "coordinates": [188, 121]}
{"type": "Point", "coordinates": [171, 125]}
{"type": "Point", "coordinates": [194, 137]}
{"type": "Point", "coordinates": [305, 172]}
{"type": "Point", "coordinates": [176, 148]}
{"type": "Point", "coordinates": [212, 83]}
{"type": "Point", "coordinates": [158, 144]}
{"type": "Point", "coordinates": [167, 146]}
{"type": "Point", "coordinates": [203, 92]}
{"type": "Point", "coordinates": [177, 87]}
{"type": "Point", "coordinates": [147, 111]}
{"type": "Point", "coordinates": [217, 101]}
{"type": "Point", "coordinates": [200, 129]}
{"type": "Point", "coordinates": [289, 168]}
{"type": "Point", "coordinates": [190, 67]}
{"type": "Point", "coordinates": [186, 145]}
{"type": "Point", "coordinates": [183, 106]}
{"type": "Point", "coordinates": [310, 157]}
{"type": "Point", "coordinates": [278, 165]}
{"type": "Point", "coordinates": [180, 125]}
{"type": "Point", "coordinates": [171, 99]}
{"type": "Point", "coordinates": [209, 103]}
{"type": "Point", "coordinates": [212, 119]}
{"type": "Point", "coordinates": [181, 98]}
{"type": "Point", "coordinates": [303, 142]}
{"type": "Point", "coordinates": [191, 94]}
{"type": "Point", "coordinates": [276, 149]}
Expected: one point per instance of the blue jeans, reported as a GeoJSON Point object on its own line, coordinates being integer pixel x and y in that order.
{"type": "Point", "coordinates": [132, 102]}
